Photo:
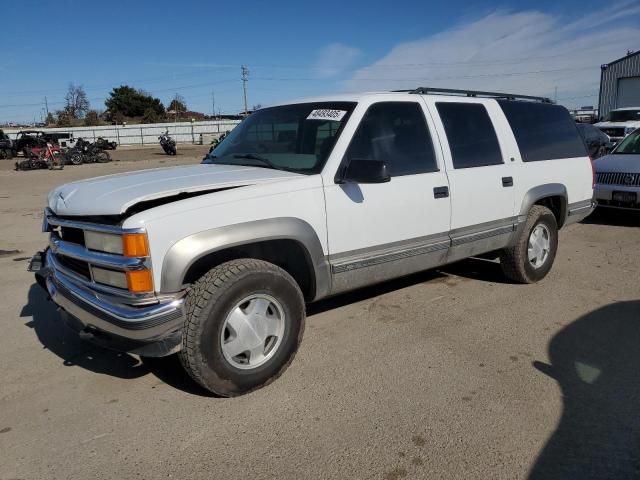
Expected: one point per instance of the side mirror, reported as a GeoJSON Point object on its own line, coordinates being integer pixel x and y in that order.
{"type": "Point", "coordinates": [366, 171]}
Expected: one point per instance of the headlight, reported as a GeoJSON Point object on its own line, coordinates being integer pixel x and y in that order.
{"type": "Point", "coordinates": [103, 242]}
{"type": "Point", "coordinates": [128, 244]}
{"type": "Point", "coordinates": [628, 130]}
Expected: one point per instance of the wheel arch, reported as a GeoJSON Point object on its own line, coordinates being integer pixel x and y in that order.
{"type": "Point", "coordinates": [278, 240]}
{"type": "Point", "coordinates": [551, 195]}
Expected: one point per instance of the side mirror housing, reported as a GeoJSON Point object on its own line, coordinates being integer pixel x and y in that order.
{"type": "Point", "coordinates": [366, 171]}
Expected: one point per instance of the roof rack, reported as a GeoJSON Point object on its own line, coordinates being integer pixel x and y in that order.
{"type": "Point", "coordinates": [475, 93]}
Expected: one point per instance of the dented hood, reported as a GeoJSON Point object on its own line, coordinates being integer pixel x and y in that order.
{"type": "Point", "coordinates": [114, 194]}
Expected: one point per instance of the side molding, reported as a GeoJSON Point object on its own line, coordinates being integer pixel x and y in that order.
{"type": "Point", "coordinates": [542, 191]}
{"type": "Point", "coordinates": [184, 253]}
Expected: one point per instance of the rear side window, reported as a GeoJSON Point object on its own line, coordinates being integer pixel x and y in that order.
{"type": "Point", "coordinates": [543, 131]}
{"type": "Point", "coordinates": [396, 133]}
{"type": "Point", "coordinates": [472, 138]}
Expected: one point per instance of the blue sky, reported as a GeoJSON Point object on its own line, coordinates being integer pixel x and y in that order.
{"type": "Point", "coordinates": [300, 48]}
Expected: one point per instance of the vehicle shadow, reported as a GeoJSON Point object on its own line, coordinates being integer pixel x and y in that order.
{"type": "Point", "coordinates": [596, 361]}
{"type": "Point", "coordinates": [616, 218]}
{"type": "Point", "coordinates": [60, 340]}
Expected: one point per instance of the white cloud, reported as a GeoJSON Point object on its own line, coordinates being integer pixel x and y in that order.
{"type": "Point", "coordinates": [334, 59]}
{"type": "Point", "coordinates": [523, 52]}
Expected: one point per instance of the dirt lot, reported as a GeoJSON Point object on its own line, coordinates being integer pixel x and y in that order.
{"type": "Point", "coordinates": [447, 374]}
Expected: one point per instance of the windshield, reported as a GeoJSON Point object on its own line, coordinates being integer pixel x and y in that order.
{"type": "Point", "coordinates": [631, 144]}
{"type": "Point", "coordinates": [622, 116]}
{"type": "Point", "coordinates": [297, 138]}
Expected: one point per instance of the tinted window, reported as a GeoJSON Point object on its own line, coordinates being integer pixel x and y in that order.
{"type": "Point", "coordinates": [396, 133]}
{"type": "Point", "coordinates": [472, 138]}
{"type": "Point", "coordinates": [543, 131]}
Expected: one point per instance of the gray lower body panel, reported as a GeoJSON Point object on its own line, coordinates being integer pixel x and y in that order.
{"type": "Point", "coordinates": [369, 266]}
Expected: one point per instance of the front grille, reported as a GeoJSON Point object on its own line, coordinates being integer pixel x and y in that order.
{"type": "Point", "coordinates": [77, 266]}
{"type": "Point", "coordinates": [72, 235]}
{"type": "Point", "coordinates": [614, 132]}
{"type": "Point", "coordinates": [623, 179]}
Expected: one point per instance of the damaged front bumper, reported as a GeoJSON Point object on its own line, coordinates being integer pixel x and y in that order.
{"type": "Point", "coordinates": [149, 330]}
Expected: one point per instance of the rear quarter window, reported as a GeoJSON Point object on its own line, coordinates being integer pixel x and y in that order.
{"type": "Point", "coordinates": [543, 131]}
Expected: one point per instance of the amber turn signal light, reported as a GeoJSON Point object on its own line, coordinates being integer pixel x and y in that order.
{"type": "Point", "coordinates": [135, 245]}
{"type": "Point", "coordinates": [139, 281]}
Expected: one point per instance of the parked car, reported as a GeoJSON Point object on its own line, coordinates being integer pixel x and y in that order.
{"type": "Point", "coordinates": [6, 146]}
{"type": "Point", "coordinates": [597, 142]}
{"type": "Point", "coordinates": [27, 139]}
{"type": "Point", "coordinates": [620, 122]}
{"type": "Point", "coordinates": [618, 176]}
{"type": "Point", "coordinates": [302, 201]}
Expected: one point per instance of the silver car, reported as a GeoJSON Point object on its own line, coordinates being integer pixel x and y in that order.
{"type": "Point", "coordinates": [617, 175]}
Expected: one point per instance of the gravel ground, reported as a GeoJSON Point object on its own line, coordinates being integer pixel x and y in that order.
{"type": "Point", "coordinates": [446, 374]}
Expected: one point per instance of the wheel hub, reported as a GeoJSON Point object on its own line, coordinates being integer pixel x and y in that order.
{"type": "Point", "coordinates": [252, 331]}
{"type": "Point", "coordinates": [539, 246]}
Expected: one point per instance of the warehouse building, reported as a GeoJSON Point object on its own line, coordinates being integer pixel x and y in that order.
{"type": "Point", "coordinates": [620, 84]}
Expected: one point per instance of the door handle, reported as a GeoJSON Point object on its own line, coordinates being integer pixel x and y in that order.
{"type": "Point", "coordinates": [507, 181]}
{"type": "Point", "coordinates": [440, 192]}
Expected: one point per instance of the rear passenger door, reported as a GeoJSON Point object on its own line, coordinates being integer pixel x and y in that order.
{"type": "Point", "coordinates": [480, 170]}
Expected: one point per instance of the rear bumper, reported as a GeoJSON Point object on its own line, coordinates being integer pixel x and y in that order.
{"type": "Point", "coordinates": [150, 330]}
{"type": "Point", "coordinates": [603, 194]}
{"type": "Point", "coordinates": [579, 211]}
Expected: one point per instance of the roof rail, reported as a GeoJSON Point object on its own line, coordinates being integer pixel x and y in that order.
{"type": "Point", "coordinates": [475, 93]}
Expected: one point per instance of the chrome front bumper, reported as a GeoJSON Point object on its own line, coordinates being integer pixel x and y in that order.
{"type": "Point", "coordinates": [150, 330]}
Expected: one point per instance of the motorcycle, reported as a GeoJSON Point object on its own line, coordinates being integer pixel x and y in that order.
{"type": "Point", "coordinates": [105, 144]}
{"type": "Point", "coordinates": [216, 141]}
{"type": "Point", "coordinates": [168, 144]}
{"type": "Point", "coordinates": [49, 157]}
{"type": "Point", "coordinates": [85, 152]}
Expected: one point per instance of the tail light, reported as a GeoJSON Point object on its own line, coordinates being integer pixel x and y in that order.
{"type": "Point", "coordinates": [593, 173]}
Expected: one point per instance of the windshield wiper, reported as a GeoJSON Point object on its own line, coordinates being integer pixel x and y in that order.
{"type": "Point", "coordinates": [253, 156]}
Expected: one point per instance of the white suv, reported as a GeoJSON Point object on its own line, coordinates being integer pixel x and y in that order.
{"type": "Point", "coordinates": [302, 201]}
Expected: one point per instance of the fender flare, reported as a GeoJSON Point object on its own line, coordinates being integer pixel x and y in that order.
{"type": "Point", "coordinates": [542, 191]}
{"type": "Point", "coordinates": [185, 252]}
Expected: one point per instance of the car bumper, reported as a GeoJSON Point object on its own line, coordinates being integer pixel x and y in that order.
{"type": "Point", "coordinates": [150, 330]}
{"type": "Point", "coordinates": [579, 211]}
{"type": "Point", "coordinates": [603, 195]}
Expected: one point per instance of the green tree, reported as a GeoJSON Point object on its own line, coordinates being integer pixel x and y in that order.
{"type": "Point", "coordinates": [63, 118]}
{"type": "Point", "coordinates": [129, 102]}
{"type": "Point", "coordinates": [178, 104]}
{"type": "Point", "coordinates": [92, 118]}
{"type": "Point", "coordinates": [150, 116]}
{"type": "Point", "coordinates": [50, 120]}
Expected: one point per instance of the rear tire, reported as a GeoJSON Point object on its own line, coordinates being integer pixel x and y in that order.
{"type": "Point", "coordinates": [223, 298]}
{"type": "Point", "coordinates": [532, 256]}
{"type": "Point", "coordinates": [103, 157]}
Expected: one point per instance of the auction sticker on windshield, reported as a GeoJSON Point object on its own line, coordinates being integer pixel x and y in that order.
{"type": "Point", "coordinates": [326, 114]}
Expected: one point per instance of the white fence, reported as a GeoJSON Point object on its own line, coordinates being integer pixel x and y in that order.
{"type": "Point", "coordinates": [182, 132]}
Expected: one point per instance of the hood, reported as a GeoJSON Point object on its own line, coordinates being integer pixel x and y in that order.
{"type": "Point", "coordinates": [622, 162]}
{"type": "Point", "coordinates": [114, 194]}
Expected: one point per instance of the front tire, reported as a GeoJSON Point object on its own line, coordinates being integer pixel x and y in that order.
{"type": "Point", "coordinates": [534, 252]}
{"type": "Point", "coordinates": [245, 320]}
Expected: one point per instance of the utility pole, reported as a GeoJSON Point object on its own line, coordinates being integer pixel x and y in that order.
{"type": "Point", "coordinates": [46, 106]}
{"type": "Point", "coordinates": [213, 103]}
{"type": "Point", "coordinates": [245, 79]}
